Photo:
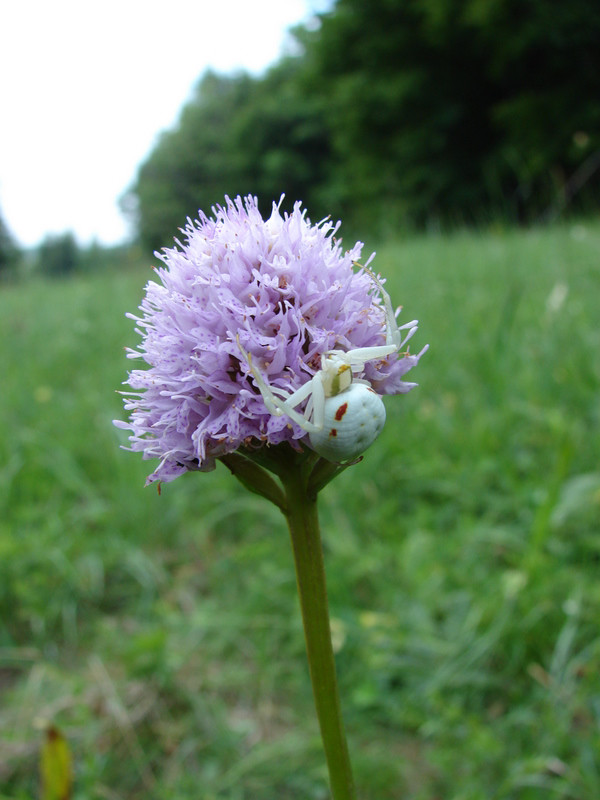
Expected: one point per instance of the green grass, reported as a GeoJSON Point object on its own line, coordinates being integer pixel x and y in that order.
{"type": "Point", "coordinates": [162, 635]}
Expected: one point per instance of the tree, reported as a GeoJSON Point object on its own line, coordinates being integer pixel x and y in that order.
{"type": "Point", "coordinates": [9, 252]}
{"type": "Point", "coordinates": [238, 135]}
{"type": "Point", "coordinates": [445, 107]}
{"type": "Point", "coordinates": [396, 112]}
{"type": "Point", "coordinates": [193, 166]}
{"type": "Point", "coordinates": [58, 255]}
{"type": "Point", "coordinates": [281, 140]}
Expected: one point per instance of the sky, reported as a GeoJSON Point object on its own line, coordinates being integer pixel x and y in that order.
{"type": "Point", "coordinates": [85, 89]}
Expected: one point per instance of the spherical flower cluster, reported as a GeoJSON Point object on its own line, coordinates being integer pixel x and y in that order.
{"type": "Point", "coordinates": [280, 291]}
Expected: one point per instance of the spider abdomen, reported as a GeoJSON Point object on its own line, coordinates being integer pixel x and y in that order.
{"type": "Point", "coordinates": [352, 421]}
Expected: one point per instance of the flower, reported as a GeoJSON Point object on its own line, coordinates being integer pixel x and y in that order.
{"type": "Point", "coordinates": [281, 290]}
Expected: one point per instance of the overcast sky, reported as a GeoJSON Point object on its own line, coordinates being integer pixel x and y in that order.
{"type": "Point", "coordinates": [85, 89]}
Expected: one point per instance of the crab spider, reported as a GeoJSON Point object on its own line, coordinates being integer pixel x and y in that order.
{"type": "Point", "coordinates": [343, 414]}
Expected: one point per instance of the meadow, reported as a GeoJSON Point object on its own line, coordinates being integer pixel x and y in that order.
{"type": "Point", "coordinates": [162, 634]}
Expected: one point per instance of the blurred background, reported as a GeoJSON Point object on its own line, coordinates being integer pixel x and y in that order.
{"type": "Point", "coordinates": [161, 635]}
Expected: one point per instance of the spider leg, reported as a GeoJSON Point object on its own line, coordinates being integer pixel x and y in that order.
{"type": "Point", "coordinates": [317, 402]}
{"type": "Point", "coordinates": [393, 335]}
{"type": "Point", "coordinates": [358, 358]}
{"type": "Point", "coordinates": [276, 405]}
{"type": "Point", "coordinates": [287, 407]}
{"type": "Point", "coordinates": [271, 401]}
{"type": "Point", "coordinates": [308, 411]}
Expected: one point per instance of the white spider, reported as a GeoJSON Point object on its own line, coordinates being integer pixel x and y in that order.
{"type": "Point", "coordinates": [343, 414]}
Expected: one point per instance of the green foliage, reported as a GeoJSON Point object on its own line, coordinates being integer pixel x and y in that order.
{"type": "Point", "coordinates": [395, 112]}
{"type": "Point", "coordinates": [58, 255]}
{"type": "Point", "coordinates": [191, 165]}
{"type": "Point", "coordinates": [440, 108]}
{"type": "Point", "coordinates": [9, 252]}
{"type": "Point", "coordinates": [162, 634]}
{"type": "Point", "coordinates": [61, 256]}
{"type": "Point", "coordinates": [282, 140]}
{"type": "Point", "coordinates": [237, 135]}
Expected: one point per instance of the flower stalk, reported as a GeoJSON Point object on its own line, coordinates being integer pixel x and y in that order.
{"type": "Point", "coordinates": [303, 523]}
{"type": "Point", "coordinates": [301, 476]}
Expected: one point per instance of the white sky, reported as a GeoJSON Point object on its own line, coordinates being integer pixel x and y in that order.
{"type": "Point", "coordinates": [86, 87]}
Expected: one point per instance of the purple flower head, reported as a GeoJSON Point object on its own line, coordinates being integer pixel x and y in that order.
{"type": "Point", "coordinates": [281, 290]}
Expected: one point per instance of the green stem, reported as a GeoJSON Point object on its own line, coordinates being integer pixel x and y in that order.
{"type": "Point", "coordinates": [303, 523]}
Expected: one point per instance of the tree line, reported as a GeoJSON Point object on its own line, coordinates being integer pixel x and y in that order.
{"type": "Point", "coordinates": [390, 114]}
{"type": "Point", "coordinates": [60, 256]}
{"type": "Point", "coordinates": [396, 113]}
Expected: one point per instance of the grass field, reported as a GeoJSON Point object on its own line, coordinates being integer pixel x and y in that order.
{"type": "Point", "coordinates": [162, 635]}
